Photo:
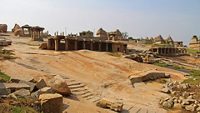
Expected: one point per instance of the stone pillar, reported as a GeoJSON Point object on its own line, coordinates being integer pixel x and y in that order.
{"type": "Point", "coordinates": [155, 50]}
{"type": "Point", "coordinates": [164, 50]}
{"type": "Point", "coordinates": [106, 46]}
{"type": "Point", "coordinates": [29, 32]}
{"type": "Point", "coordinates": [66, 44]}
{"type": "Point", "coordinates": [91, 45]}
{"type": "Point", "coordinates": [33, 35]}
{"type": "Point", "coordinates": [167, 50]}
{"type": "Point", "coordinates": [23, 31]}
{"type": "Point", "coordinates": [49, 44]}
{"type": "Point", "coordinates": [161, 49]}
{"type": "Point", "coordinates": [56, 45]}
{"type": "Point", "coordinates": [174, 51]}
{"type": "Point", "coordinates": [75, 44]}
{"type": "Point", "coordinates": [84, 44]}
{"type": "Point", "coordinates": [99, 45]}
{"type": "Point", "coordinates": [39, 34]}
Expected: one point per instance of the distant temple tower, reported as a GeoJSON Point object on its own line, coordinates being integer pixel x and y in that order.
{"type": "Point", "coordinates": [102, 34]}
{"type": "Point", "coordinates": [195, 43]}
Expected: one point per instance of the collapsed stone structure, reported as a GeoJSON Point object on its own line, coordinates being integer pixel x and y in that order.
{"type": "Point", "coordinates": [35, 32]}
{"type": "Point", "coordinates": [181, 94]}
{"type": "Point", "coordinates": [86, 40]}
{"type": "Point", "coordinates": [158, 40]}
{"type": "Point", "coordinates": [3, 28]}
{"type": "Point", "coordinates": [16, 27]}
{"type": "Point", "coordinates": [169, 51]}
{"type": "Point", "coordinates": [195, 43]}
{"type": "Point", "coordinates": [166, 47]}
{"type": "Point", "coordinates": [17, 30]}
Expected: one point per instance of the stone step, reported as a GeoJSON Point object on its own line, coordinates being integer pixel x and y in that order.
{"type": "Point", "coordinates": [127, 107]}
{"type": "Point", "coordinates": [89, 98]}
{"type": "Point", "coordinates": [70, 80]}
{"type": "Point", "coordinates": [135, 110]}
{"type": "Point", "coordinates": [151, 111]}
{"type": "Point", "coordinates": [82, 92]}
{"type": "Point", "coordinates": [76, 86]}
{"type": "Point", "coordinates": [95, 100]}
{"type": "Point", "coordinates": [87, 95]}
{"type": "Point", "coordinates": [74, 83]}
{"type": "Point", "coordinates": [143, 110]}
{"type": "Point", "coordinates": [82, 89]}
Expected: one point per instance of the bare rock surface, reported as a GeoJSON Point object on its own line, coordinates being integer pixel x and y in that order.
{"type": "Point", "coordinates": [90, 70]}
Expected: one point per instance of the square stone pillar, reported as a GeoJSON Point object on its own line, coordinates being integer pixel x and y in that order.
{"type": "Point", "coordinates": [49, 46]}
{"type": "Point", "coordinates": [106, 47]}
{"type": "Point", "coordinates": [66, 44]}
{"type": "Point", "coordinates": [91, 45]}
{"type": "Point", "coordinates": [75, 45]}
{"type": "Point", "coordinates": [56, 44]}
{"type": "Point", "coordinates": [84, 44]}
{"type": "Point", "coordinates": [99, 45]}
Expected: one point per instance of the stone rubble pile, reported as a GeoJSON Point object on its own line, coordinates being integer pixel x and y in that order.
{"type": "Point", "coordinates": [49, 93]}
{"type": "Point", "coordinates": [183, 94]}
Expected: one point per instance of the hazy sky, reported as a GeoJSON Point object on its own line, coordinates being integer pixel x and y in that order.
{"type": "Point", "coordinates": [140, 18]}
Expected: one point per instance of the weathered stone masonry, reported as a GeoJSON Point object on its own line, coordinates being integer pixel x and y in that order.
{"type": "Point", "coordinates": [169, 51]}
{"type": "Point", "coordinates": [78, 43]}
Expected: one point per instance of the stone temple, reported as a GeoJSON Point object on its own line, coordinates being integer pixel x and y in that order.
{"type": "Point", "coordinates": [103, 41]}
{"type": "Point", "coordinates": [195, 43]}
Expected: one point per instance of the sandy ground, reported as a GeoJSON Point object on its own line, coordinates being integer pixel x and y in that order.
{"type": "Point", "coordinates": [95, 69]}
